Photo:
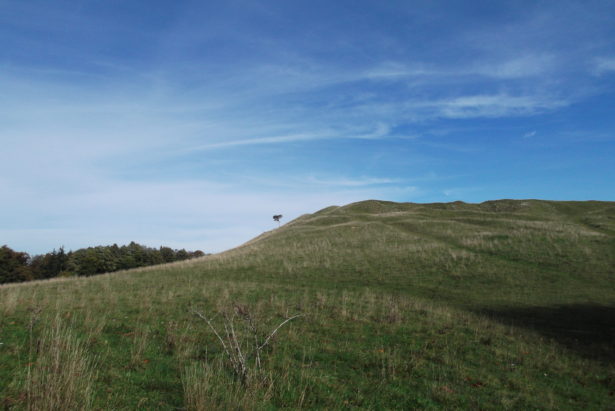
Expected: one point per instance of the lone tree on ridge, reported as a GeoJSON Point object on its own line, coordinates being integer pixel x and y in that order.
{"type": "Point", "coordinates": [277, 218]}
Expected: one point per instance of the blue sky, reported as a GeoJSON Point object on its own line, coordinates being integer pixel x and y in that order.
{"type": "Point", "coordinates": [191, 123]}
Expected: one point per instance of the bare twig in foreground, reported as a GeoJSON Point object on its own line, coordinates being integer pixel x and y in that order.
{"type": "Point", "coordinates": [242, 363]}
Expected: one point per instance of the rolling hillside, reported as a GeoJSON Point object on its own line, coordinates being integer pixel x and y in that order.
{"type": "Point", "coordinates": [506, 304]}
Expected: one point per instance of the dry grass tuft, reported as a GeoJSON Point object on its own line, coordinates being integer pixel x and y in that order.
{"type": "Point", "coordinates": [61, 377]}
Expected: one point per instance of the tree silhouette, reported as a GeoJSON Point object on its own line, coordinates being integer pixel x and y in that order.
{"type": "Point", "coordinates": [277, 218]}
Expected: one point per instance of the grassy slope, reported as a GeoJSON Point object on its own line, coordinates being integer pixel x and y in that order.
{"type": "Point", "coordinates": [504, 304]}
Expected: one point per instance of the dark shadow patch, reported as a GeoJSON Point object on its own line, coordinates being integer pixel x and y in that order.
{"type": "Point", "coordinates": [587, 329]}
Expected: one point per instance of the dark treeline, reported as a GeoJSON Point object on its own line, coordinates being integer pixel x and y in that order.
{"type": "Point", "coordinates": [17, 266]}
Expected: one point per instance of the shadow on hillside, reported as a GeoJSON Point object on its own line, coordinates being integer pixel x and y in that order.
{"type": "Point", "coordinates": [586, 329]}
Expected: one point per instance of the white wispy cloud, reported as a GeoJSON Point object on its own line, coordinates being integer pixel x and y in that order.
{"type": "Point", "coordinates": [517, 67]}
{"type": "Point", "coordinates": [514, 67]}
{"type": "Point", "coordinates": [412, 110]}
{"type": "Point", "coordinates": [529, 134]}
{"type": "Point", "coordinates": [500, 105]}
{"type": "Point", "coordinates": [349, 182]}
{"type": "Point", "coordinates": [263, 140]}
{"type": "Point", "coordinates": [397, 70]}
{"type": "Point", "coordinates": [604, 65]}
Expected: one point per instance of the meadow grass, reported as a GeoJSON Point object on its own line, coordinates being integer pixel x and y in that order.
{"type": "Point", "coordinates": [500, 305]}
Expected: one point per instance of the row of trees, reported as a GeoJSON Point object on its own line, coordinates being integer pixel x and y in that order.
{"type": "Point", "coordinates": [18, 266]}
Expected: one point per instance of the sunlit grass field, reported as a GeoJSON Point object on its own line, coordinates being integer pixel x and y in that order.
{"type": "Point", "coordinates": [500, 305]}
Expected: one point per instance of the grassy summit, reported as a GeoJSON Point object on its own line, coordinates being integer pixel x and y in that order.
{"type": "Point", "coordinates": [503, 304]}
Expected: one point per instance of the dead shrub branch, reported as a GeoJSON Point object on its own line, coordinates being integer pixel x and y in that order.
{"type": "Point", "coordinates": [243, 349]}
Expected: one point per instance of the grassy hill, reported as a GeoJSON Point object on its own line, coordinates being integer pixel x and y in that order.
{"type": "Point", "coordinates": [500, 305]}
